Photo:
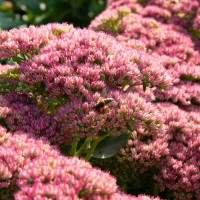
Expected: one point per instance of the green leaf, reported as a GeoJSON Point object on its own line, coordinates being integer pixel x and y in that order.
{"type": "Point", "coordinates": [144, 86]}
{"type": "Point", "coordinates": [25, 5]}
{"type": "Point", "coordinates": [110, 145]}
{"type": "Point", "coordinates": [9, 20]}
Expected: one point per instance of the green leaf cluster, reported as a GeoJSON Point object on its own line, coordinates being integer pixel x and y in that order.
{"type": "Point", "coordinates": [15, 13]}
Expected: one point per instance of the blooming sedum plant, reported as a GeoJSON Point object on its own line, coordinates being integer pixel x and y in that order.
{"type": "Point", "coordinates": [123, 94]}
{"type": "Point", "coordinates": [33, 169]}
{"type": "Point", "coordinates": [39, 171]}
{"type": "Point", "coordinates": [165, 29]}
{"type": "Point", "coordinates": [181, 12]}
{"type": "Point", "coordinates": [55, 90]}
{"type": "Point", "coordinates": [69, 75]}
{"type": "Point", "coordinates": [180, 170]}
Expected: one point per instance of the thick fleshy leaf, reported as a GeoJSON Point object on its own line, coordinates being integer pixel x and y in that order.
{"type": "Point", "coordinates": [110, 145]}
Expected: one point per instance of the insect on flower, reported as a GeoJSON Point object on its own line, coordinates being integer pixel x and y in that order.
{"type": "Point", "coordinates": [102, 102]}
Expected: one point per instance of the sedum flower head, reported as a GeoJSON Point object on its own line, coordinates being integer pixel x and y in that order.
{"type": "Point", "coordinates": [181, 12]}
{"type": "Point", "coordinates": [181, 168]}
{"type": "Point", "coordinates": [164, 30]}
{"type": "Point", "coordinates": [122, 196]}
{"type": "Point", "coordinates": [18, 149]}
{"type": "Point", "coordinates": [27, 41]}
{"type": "Point", "coordinates": [83, 60]}
{"type": "Point", "coordinates": [39, 171]}
{"type": "Point", "coordinates": [69, 77]}
{"type": "Point", "coordinates": [63, 178]}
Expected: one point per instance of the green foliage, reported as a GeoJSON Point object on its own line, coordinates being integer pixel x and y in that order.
{"type": "Point", "coordinates": [142, 1]}
{"type": "Point", "coordinates": [110, 146]}
{"type": "Point", "coordinates": [113, 23]}
{"type": "Point", "coordinates": [196, 33]}
{"type": "Point", "coordinates": [9, 20]}
{"type": "Point", "coordinates": [9, 81]}
{"type": "Point", "coordinates": [6, 193]}
{"type": "Point", "coordinates": [14, 13]}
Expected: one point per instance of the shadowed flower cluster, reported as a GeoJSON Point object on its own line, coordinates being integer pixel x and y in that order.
{"type": "Point", "coordinates": [19, 113]}
{"type": "Point", "coordinates": [39, 171]}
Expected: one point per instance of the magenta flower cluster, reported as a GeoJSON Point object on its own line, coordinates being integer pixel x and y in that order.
{"type": "Point", "coordinates": [136, 71]}
{"type": "Point", "coordinates": [20, 114]}
{"type": "Point", "coordinates": [76, 69]}
{"type": "Point", "coordinates": [29, 40]}
{"type": "Point", "coordinates": [180, 170]}
{"type": "Point", "coordinates": [39, 171]}
{"type": "Point", "coordinates": [164, 30]}
{"type": "Point", "coordinates": [54, 92]}
{"type": "Point", "coordinates": [181, 12]}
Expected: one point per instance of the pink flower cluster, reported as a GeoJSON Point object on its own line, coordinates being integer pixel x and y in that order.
{"type": "Point", "coordinates": [150, 70]}
{"type": "Point", "coordinates": [153, 36]}
{"type": "Point", "coordinates": [8, 81]}
{"type": "Point", "coordinates": [173, 44]}
{"type": "Point", "coordinates": [28, 41]}
{"type": "Point", "coordinates": [81, 61]}
{"type": "Point", "coordinates": [181, 167]}
{"type": "Point", "coordinates": [6, 68]}
{"type": "Point", "coordinates": [129, 112]}
{"type": "Point", "coordinates": [148, 142]}
{"type": "Point", "coordinates": [121, 196]}
{"type": "Point", "coordinates": [75, 70]}
{"type": "Point", "coordinates": [18, 149]}
{"type": "Point", "coordinates": [40, 172]}
{"type": "Point", "coordinates": [160, 29]}
{"type": "Point", "coordinates": [171, 12]}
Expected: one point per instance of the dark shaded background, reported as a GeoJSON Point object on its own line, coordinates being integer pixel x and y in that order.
{"type": "Point", "coordinates": [16, 13]}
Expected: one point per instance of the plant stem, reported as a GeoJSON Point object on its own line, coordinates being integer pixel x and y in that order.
{"type": "Point", "coordinates": [52, 107]}
{"type": "Point", "coordinates": [93, 146]}
{"type": "Point", "coordinates": [155, 192]}
{"type": "Point", "coordinates": [73, 148]}
{"type": "Point", "coordinates": [83, 147]}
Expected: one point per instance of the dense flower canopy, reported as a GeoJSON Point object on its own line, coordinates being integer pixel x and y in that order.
{"type": "Point", "coordinates": [161, 28]}
{"type": "Point", "coordinates": [135, 71]}
{"type": "Point", "coordinates": [74, 70]}
{"type": "Point", "coordinates": [54, 90]}
{"type": "Point", "coordinates": [40, 172]}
